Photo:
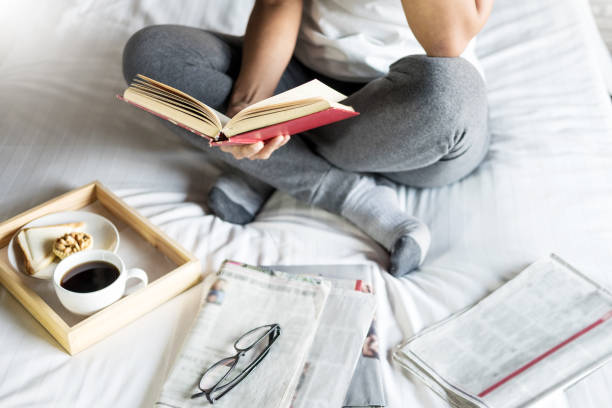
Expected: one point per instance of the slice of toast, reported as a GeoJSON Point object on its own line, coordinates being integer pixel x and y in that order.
{"type": "Point", "coordinates": [36, 244]}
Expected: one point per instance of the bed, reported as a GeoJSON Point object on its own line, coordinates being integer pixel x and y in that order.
{"type": "Point", "coordinates": [545, 186]}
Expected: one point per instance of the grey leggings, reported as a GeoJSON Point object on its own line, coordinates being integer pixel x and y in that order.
{"type": "Point", "coordinates": [424, 124]}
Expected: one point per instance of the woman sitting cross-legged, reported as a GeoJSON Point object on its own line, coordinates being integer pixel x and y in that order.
{"type": "Point", "coordinates": [407, 66]}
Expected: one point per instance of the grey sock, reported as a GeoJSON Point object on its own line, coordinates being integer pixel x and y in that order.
{"type": "Point", "coordinates": [375, 209]}
{"type": "Point", "coordinates": [237, 198]}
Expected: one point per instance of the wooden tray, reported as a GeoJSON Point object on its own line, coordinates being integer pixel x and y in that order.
{"type": "Point", "coordinates": [171, 269]}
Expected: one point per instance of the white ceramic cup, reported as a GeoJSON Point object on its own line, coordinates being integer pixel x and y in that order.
{"type": "Point", "coordinates": [90, 302]}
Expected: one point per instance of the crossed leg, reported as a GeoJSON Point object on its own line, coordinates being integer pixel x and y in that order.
{"type": "Point", "coordinates": [424, 124]}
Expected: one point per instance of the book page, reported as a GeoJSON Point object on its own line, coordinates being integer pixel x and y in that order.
{"type": "Point", "coordinates": [205, 109]}
{"type": "Point", "coordinates": [303, 100]}
{"type": "Point", "coordinates": [170, 103]}
{"type": "Point", "coordinates": [172, 100]}
{"type": "Point", "coordinates": [240, 299]}
{"type": "Point", "coordinates": [541, 331]}
{"type": "Point", "coordinates": [311, 89]}
{"type": "Point", "coordinates": [235, 127]}
{"type": "Point", "coordinates": [222, 118]}
{"type": "Point", "coordinates": [274, 110]}
{"type": "Point", "coordinates": [170, 112]}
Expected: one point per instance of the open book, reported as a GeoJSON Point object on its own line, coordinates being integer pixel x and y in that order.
{"type": "Point", "coordinates": [305, 107]}
{"type": "Point", "coordinates": [540, 332]}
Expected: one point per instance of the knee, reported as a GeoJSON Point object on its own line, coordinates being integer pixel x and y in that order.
{"type": "Point", "coordinates": [452, 79]}
{"type": "Point", "coordinates": [159, 48]}
{"type": "Point", "coordinates": [451, 95]}
{"type": "Point", "coordinates": [139, 49]}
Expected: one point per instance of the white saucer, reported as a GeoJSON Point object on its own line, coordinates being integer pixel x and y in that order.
{"type": "Point", "coordinates": [104, 233]}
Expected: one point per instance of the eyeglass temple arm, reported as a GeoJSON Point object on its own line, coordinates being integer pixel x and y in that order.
{"type": "Point", "coordinates": [198, 395]}
{"type": "Point", "coordinates": [204, 393]}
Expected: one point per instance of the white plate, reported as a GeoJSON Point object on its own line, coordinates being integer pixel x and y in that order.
{"type": "Point", "coordinates": [104, 233]}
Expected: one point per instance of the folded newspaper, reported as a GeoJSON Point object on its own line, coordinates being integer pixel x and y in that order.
{"type": "Point", "coordinates": [242, 298]}
{"type": "Point", "coordinates": [366, 388]}
{"type": "Point", "coordinates": [540, 332]}
{"type": "Point", "coordinates": [314, 346]}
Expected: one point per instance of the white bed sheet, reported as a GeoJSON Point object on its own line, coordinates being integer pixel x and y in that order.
{"type": "Point", "coordinates": [545, 186]}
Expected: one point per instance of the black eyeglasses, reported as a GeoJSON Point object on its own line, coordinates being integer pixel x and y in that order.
{"type": "Point", "coordinates": [225, 374]}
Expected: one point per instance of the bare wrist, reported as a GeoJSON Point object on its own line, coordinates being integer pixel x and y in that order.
{"type": "Point", "coordinates": [248, 92]}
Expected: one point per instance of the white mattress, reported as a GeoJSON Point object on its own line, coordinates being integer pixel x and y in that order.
{"type": "Point", "coordinates": [545, 186]}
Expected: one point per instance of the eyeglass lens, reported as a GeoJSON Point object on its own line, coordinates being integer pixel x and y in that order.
{"type": "Point", "coordinates": [252, 337]}
{"type": "Point", "coordinates": [215, 373]}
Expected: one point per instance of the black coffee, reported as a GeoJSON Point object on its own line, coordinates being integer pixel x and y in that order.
{"type": "Point", "coordinates": [89, 276]}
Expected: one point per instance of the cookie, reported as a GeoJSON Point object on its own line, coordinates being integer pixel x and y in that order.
{"type": "Point", "coordinates": [71, 243]}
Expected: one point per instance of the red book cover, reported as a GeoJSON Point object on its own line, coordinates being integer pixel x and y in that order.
{"type": "Point", "coordinates": [289, 127]}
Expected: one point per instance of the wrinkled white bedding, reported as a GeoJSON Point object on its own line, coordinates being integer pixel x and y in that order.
{"type": "Point", "coordinates": [545, 186]}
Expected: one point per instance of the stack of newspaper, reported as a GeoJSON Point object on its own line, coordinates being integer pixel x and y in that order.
{"type": "Point", "coordinates": [366, 387]}
{"type": "Point", "coordinates": [323, 327]}
{"type": "Point", "coordinates": [540, 332]}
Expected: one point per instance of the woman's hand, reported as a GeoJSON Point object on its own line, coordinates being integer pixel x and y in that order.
{"type": "Point", "coordinates": [256, 151]}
